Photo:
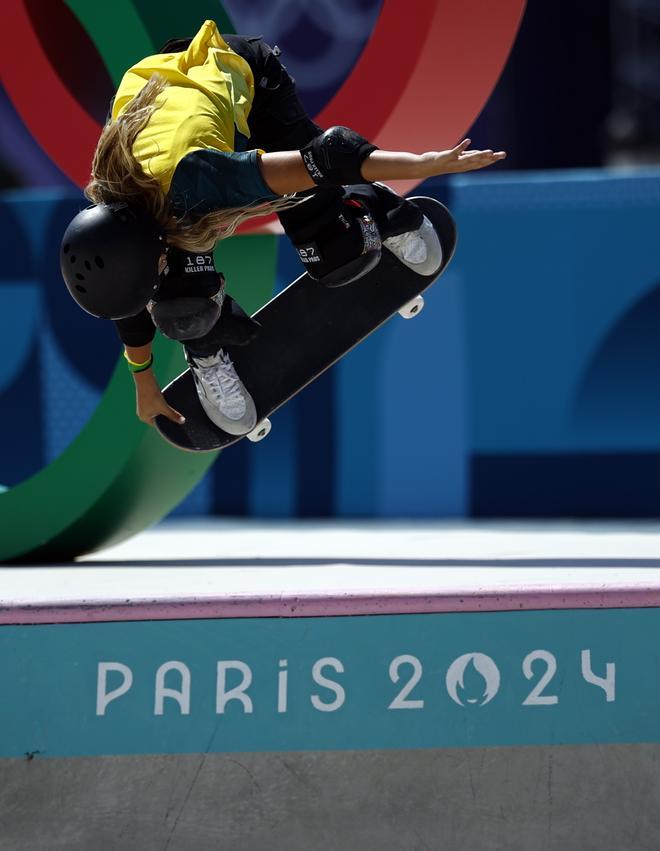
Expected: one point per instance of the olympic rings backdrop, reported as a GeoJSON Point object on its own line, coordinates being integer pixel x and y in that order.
{"type": "Point", "coordinates": [100, 475]}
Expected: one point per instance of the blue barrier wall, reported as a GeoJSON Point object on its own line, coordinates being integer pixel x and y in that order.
{"type": "Point", "coordinates": [561, 288]}
{"type": "Point", "coordinates": [528, 387]}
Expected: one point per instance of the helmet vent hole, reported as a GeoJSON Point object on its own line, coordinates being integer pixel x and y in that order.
{"type": "Point", "coordinates": [99, 262]}
{"type": "Point", "coordinates": [80, 277]}
{"type": "Point", "coordinates": [80, 289]}
{"type": "Point", "coordinates": [66, 248]}
{"type": "Point", "coordinates": [72, 258]}
{"type": "Point", "coordinates": [88, 266]}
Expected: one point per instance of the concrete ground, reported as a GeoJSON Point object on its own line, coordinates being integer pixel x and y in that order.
{"type": "Point", "coordinates": [577, 798]}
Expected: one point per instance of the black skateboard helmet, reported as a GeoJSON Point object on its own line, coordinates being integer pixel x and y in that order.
{"type": "Point", "coordinates": [109, 259]}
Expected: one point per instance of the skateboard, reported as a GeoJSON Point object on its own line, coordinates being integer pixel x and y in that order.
{"type": "Point", "coordinates": [305, 330]}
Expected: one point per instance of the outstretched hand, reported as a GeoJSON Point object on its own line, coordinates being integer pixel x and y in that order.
{"type": "Point", "coordinates": [458, 159]}
{"type": "Point", "coordinates": [403, 165]}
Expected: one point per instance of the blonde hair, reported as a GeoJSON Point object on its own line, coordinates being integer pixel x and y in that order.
{"type": "Point", "coordinates": [118, 176]}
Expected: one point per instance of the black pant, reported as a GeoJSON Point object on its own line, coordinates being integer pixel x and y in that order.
{"type": "Point", "coordinates": [277, 120]}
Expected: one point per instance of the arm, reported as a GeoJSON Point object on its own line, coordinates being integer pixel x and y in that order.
{"type": "Point", "coordinates": [284, 171]}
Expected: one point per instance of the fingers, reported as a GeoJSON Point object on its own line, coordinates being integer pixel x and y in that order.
{"type": "Point", "coordinates": [163, 410]}
{"type": "Point", "coordinates": [173, 415]}
{"type": "Point", "coordinates": [488, 154]}
{"type": "Point", "coordinates": [462, 146]}
{"type": "Point", "coordinates": [458, 159]}
{"type": "Point", "coordinates": [472, 160]}
{"type": "Point", "coordinates": [469, 160]}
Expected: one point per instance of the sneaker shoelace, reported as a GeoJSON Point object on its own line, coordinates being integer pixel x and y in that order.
{"type": "Point", "coordinates": [220, 377]}
{"type": "Point", "coordinates": [410, 246]}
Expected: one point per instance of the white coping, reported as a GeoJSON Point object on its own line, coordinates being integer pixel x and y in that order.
{"type": "Point", "coordinates": [201, 560]}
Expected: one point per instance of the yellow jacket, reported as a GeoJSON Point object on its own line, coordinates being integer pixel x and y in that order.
{"type": "Point", "coordinates": [208, 99]}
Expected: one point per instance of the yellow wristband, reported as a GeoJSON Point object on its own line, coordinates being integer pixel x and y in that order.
{"type": "Point", "coordinates": [138, 367]}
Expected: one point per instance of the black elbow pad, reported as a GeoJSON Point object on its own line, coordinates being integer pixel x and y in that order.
{"type": "Point", "coordinates": [334, 158]}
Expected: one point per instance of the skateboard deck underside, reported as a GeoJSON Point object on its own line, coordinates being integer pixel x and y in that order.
{"type": "Point", "coordinates": [305, 330]}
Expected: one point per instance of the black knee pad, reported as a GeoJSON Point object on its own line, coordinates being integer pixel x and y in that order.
{"type": "Point", "coordinates": [336, 239]}
{"type": "Point", "coordinates": [186, 318]}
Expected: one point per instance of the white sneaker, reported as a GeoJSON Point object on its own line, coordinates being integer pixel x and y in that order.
{"type": "Point", "coordinates": [420, 249]}
{"type": "Point", "coordinates": [222, 393]}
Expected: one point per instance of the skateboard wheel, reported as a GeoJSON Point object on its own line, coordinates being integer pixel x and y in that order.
{"type": "Point", "coordinates": [260, 431]}
{"type": "Point", "coordinates": [413, 308]}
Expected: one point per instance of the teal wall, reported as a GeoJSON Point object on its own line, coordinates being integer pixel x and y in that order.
{"type": "Point", "coordinates": [399, 681]}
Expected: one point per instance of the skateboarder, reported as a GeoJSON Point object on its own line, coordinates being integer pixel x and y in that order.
{"type": "Point", "coordinates": [201, 137]}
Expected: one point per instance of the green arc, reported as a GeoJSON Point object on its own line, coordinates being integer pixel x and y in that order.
{"type": "Point", "coordinates": [113, 480]}
{"type": "Point", "coordinates": [119, 476]}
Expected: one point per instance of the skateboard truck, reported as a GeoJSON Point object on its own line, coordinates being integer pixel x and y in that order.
{"type": "Point", "coordinates": [261, 430]}
{"type": "Point", "coordinates": [413, 308]}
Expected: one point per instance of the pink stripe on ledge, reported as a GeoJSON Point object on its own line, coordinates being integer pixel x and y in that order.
{"type": "Point", "coordinates": [332, 604]}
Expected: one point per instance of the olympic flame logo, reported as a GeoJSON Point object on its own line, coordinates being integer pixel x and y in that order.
{"type": "Point", "coordinates": [473, 679]}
